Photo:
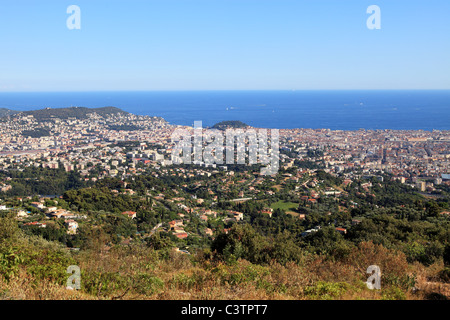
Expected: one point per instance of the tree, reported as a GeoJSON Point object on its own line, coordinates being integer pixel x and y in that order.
{"type": "Point", "coordinates": [285, 249]}
{"type": "Point", "coordinates": [241, 242]}
{"type": "Point", "coordinates": [159, 242]}
{"type": "Point", "coordinates": [447, 255]}
{"type": "Point", "coordinates": [9, 231]}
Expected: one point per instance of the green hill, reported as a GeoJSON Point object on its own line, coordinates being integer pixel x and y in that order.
{"type": "Point", "coordinates": [233, 124]}
{"type": "Point", "coordinates": [72, 112]}
{"type": "Point", "coordinates": [7, 112]}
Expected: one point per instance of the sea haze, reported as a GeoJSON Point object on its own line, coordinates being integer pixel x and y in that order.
{"type": "Point", "coordinates": [336, 110]}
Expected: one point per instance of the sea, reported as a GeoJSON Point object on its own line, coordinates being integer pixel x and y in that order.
{"type": "Point", "coordinates": [336, 110]}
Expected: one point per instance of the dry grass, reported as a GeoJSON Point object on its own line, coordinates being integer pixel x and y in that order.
{"type": "Point", "coordinates": [141, 273]}
{"type": "Point", "coordinates": [25, 287]}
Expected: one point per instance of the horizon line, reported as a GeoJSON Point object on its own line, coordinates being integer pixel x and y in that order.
{"type": "Point", "coordinates": [218, 90]}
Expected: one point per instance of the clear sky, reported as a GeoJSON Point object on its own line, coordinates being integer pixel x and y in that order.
{"type": "Point", "coordinates": [224, 45]}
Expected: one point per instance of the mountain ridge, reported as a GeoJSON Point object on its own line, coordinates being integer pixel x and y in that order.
{"type": "Point", "coordinates": [65, 113]}
{"type": "Point", "coordinates": [5, 112]}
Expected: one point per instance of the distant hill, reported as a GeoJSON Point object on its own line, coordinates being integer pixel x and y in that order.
{"type": "Point", "coordinates": [72, 112]}
{"type": "Point", "coordinates": [233, 124]}
{"type": "Point", "coordinates": [7, 112]}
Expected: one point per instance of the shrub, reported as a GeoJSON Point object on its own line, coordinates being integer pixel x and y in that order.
{"type": "Point", "coordinates": [391, 263]}
{"type": "Point", "coordinates": [147, 284]}
{"type": "Point", "coordinates": [107, 283]}
{"type": "Point", "coordinates": [48, 264]}
{"type": "Point", "coordinates": [183, 281]}
{"type": "Point", "coordinates": [326, 290]}
{"type": "Point", "coordinates": [9, 231]}
{"type": "Point", "coordinates": [9, 263]}
{"type": "Point", "coordinates": [444, 275]}
{"type": "Point", "coordinates": [393, 293]}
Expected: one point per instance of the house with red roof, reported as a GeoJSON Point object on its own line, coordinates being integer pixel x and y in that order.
{"type": "Point", "coordinates": [130, 214]}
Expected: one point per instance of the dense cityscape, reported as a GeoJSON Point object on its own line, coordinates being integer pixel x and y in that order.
{"type": "Point", "coordinates": [419, 158]}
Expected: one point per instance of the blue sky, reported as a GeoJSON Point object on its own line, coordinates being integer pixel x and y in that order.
{"type": "Point", "coordinates": [224, 45]}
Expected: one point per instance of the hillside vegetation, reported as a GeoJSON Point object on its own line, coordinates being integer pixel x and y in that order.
{"type": "Point", "coordinates": [259, 256]}
{"type": "Point", "coordinates": [4, 112]}
{"type": "Point", "coordinates": [232, 124]}
{"type": "Point", "coordinates": [34, 268]}
{"type": "Point", "coordinates": [72, 112]}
